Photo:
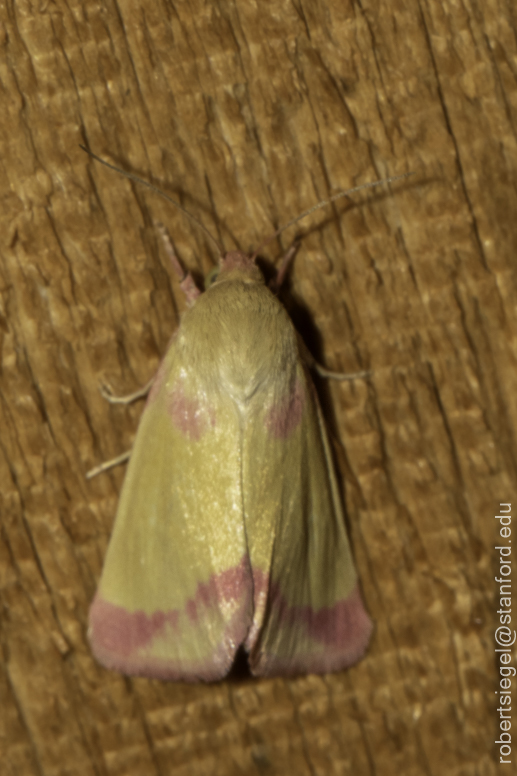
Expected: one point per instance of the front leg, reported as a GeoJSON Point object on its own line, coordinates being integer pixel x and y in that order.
{"type": "Point", "coordinates": [187, 283]}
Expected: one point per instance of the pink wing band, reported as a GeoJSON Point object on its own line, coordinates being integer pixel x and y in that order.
{"type": "Point", "coordinates": [306, 641]}
{"type": "Point", "coordinates": [329, 639]}
{"type": "Point", "coordinates": [123, 640]}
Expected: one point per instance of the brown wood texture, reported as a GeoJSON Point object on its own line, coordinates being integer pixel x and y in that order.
{"type": "Point", "coordinates": [250, 112]}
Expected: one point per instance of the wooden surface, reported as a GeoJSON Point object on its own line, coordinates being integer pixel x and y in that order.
{"type": "Point", "coordinates": [249, 113]}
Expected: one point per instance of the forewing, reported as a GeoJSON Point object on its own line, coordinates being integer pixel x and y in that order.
{"type": "Point", "coordinates": [174, 600]}
{"type": "Point", "coordinates": [308, 612]}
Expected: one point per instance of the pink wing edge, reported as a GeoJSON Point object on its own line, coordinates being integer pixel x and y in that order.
{"type": "Point", "coordinates": [122, 640]}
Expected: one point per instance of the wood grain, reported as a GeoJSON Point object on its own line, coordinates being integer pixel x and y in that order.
{"type": "Point", "coordinates": [249, 113]}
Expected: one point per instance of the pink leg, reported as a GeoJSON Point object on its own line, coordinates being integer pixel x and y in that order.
{"type": "Point", "coordinates": [187, 283]}
{"type": "Point", "coordinates": [276, 284]}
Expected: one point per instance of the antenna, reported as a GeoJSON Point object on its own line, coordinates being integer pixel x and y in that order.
{"type": "Point", "coordinates": [328, 202]}
{"type": "Point", "coordinates": [157, 190]}
{"type": "Point", "coordinates": [273, 236]}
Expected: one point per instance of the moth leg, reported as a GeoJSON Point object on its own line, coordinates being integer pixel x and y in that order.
{"type": "Point", "coordinates": [131, 397]}
{"type": "Point", "coordinates": [106, 393]}
{"type": "Point", "coordinates": [338, 375]}
{"type": "Point", "coordinates": [187, 283]}
{"type": "Point", "coordinates": [274, 286]}
{"type": "Point", "coordinates": [287, 259]}
{"type": "Point", "coordinates": [103, 467]}
{"type": "Point", "coordinates": [311, 362]}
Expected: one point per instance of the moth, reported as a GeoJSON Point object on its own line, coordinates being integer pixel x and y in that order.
{"type": "Point", "coordinates": [230, 529]}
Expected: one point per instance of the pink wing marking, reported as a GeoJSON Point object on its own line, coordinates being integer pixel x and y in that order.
{"type": "Point", "coordinates": [189, 415]}
{"type": "Point", "coordinates": [343, 631]}
{"type": "Point", "coordinates": [116, 630]}
{"type": "Point", "coordinates": [220, 588]}
{"type": "Point", "coordinates": [334, 626]}
{"type": "Point", "coordinates": [122, 640]}
{"type": "Point", "coordinates": [284, 417]}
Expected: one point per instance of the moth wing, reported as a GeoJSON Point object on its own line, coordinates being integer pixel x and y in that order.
{"type": "Point", "coordinates": [175, 596]}
{"type": "Point", "coordinates": [308, 612]}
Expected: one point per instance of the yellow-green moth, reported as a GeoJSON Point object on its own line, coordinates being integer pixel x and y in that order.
{"type": "Point", "coordinates": [230, 530]}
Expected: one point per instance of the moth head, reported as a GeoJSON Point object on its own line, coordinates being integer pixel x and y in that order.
{"type": "Point", "coordinates": [237, 260]}
{"type": "Point", "coordinates": [232, 265]}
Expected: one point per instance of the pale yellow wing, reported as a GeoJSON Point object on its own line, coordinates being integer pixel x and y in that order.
{"type": "Point", "coordinates": [308, 613]}
{"type": "Point", "coordinates": [174, 600]}
{"type": "Point", "coordinates": [229, 528]}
